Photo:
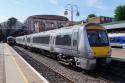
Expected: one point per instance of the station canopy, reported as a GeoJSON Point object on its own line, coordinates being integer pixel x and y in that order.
{"type": "Point", "coordinates": [115, 27]}
{"type": "Point", "coordinates": [10, 27]}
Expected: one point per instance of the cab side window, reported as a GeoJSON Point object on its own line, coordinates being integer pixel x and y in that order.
{"type": "Point", "coordinates": [112, 39]}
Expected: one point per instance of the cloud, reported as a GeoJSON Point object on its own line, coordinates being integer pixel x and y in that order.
{"type": "Point", "coordinates": [95, 3]}
{"type": "Point", "coordinates": [55, 2]}
{"type": "Point", "coordinates": [4, 18]}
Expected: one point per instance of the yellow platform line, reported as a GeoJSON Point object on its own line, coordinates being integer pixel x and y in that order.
{"type": "Point", "coordinates": [20, 71]}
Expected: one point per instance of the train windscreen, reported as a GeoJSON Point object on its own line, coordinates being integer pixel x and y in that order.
{"type": "Point", "coordinates": [97, 37]}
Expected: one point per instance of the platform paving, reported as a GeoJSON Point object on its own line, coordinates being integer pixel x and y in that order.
{"type": "Point", "coordinates": [14, 69]}
{"type": "Point", "coordinates": [118, 53]}
{"type": "Point", "coordinates": [2, 73]}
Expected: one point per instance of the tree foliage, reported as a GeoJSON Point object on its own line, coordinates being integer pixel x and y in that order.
{"type": "Point", "coordinates": [91, 15]}
{"type": "Point", "coordinates": [79, 22]}
{"type": "Point", "coordinates": [120, 13]}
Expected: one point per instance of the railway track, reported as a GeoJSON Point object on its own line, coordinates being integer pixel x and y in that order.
{"type": "Point", "coordinates": [117, 67]}
{"type": "Point", "coordinates": [57, 73]}
{"type": "Point", "coordinates": [47, 72]}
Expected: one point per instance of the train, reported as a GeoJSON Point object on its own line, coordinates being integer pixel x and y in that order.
{"type": "Point", "coordinates": [117, 39]}
{"type": "Point", "coordinates": [11, 40]}
{"type": "Point", "coordinates": [84, 45]}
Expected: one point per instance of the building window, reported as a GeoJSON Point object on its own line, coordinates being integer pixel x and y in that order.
{"type": "Point", "coordinates": [102, 18]}
{"type": "Point", "coordinates": [52, 25]}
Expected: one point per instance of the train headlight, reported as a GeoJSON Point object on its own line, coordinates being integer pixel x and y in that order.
{"type": "Point", "coordinates": [110, 52]}
{"type": "Point", "coordinates": [91, 54]}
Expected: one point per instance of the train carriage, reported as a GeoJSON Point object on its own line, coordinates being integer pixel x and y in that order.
{"type": "Point", "coordinates": [11, 40]}
{"type": "Point", "coordinates": [117, 39]}
{"type": "Point", "coordinates": [80, 45]}
{"type": "Point", "coordinates": [21, 40]}
{"type": "Point", "coordinates": [41, 41]}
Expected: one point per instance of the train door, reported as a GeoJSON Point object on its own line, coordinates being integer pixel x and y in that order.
{"type": "Point", "coordinates": [54, 38]}
{"type": "Point", "coordinates": [52, 42]}
{"type": "Point", "coordinates": [75, 39]}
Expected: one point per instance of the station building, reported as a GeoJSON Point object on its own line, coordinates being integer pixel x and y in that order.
{"type": "Point", "coordinates": [115, 27]}
{"type": "Point", "coordinates": [100, 19]}
{"type": "Point", "coordinates": [39, 23]}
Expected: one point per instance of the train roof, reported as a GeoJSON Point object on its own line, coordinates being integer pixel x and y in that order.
{"type": "Point", "coordinates": [64, 29]}
{"type": "Point", "coordinates": [59, 30]}
{"type": "Point", "coordinates": [116, 34]}
{"type": "Point", "coordinates": [70, 27]}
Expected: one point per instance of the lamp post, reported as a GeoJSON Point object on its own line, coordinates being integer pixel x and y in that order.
{"type": "Point", "coordinates": [72, 9]}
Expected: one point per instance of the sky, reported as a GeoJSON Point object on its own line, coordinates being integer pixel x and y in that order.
{"type": "Point", "coordinates": [21, 9]}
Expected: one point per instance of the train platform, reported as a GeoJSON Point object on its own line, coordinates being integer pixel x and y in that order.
{"type": "Point", "coordinates": [118, 53]}
{"type": "Point", "coordinates": [14, 69]}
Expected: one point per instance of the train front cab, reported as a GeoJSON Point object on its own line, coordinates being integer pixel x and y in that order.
{"type": "Point", "coordinates": [99, 43]}
{"type": "Point", "coordinates": [98, 50]}
{"type": "Point", "coordinates": [11, 40]}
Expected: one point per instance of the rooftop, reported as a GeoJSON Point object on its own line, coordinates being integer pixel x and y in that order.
{"type": "Point", "coordinates": [50, 17]}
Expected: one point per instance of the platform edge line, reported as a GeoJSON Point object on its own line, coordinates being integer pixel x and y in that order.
{"type": "Point", "coordinates": [40, 76]}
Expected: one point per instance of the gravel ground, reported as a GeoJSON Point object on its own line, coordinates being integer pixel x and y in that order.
{"type": "Point", "coordinates": [76, 76]}
{"type": "Point", "coordinates": [50, 75]}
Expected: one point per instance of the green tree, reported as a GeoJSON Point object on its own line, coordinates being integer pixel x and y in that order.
{"type": "Point", "coordinates": [91, 15]}
{"type": "Point", "coordinates": [120, 13]}
{"type": "Point", "coordinates": [79, 22]}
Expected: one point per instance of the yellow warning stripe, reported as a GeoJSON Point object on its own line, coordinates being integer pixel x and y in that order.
{"type": "Point", "coordinates": [96, 27]}
{"type": "Point", "coordinates": [20, 71]}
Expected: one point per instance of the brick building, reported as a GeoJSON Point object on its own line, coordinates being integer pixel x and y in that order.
{"type": "Point", "coordinates": [101, 19]}
{"type": "Point", "coordinates": [39, 23]}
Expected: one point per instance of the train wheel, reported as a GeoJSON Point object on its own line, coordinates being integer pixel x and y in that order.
{"type": "Point", "coordinates": [54, 56]}
{"type": "Point", "coordinates": [59, 57]}
{"type": "Point", "coordinates": [73, 63]}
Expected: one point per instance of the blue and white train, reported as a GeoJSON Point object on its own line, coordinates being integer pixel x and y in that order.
{"type": "Point", "coordinates": [117, 39]}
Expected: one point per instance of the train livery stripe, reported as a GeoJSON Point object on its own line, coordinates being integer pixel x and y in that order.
{"type": "Point", "coordinates": [20, 71]}
{"type": "Point", "coordinates": [37, 73]}
{"type": "Point", "coordinates": [96, 27]}
{"type": "Point", "coordinates": [101, 51]}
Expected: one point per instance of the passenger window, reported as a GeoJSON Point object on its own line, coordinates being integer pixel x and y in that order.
{"type": "Point", "coordinates": [124, 39]}
{"type": "Point", "coordinates": [41, 40]}
{"type": "Point", "coordinates": [117, 39]}
{"type": "Point", "coordinates": [63, 40]}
